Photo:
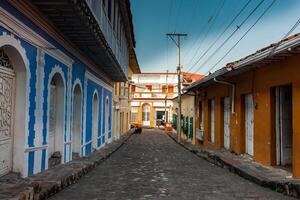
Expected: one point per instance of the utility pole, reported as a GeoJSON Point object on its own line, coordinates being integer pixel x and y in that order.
{"type": "Point", "coordinates": [166, 117]}
{"type": "Point", "coordinates": [176, 39]}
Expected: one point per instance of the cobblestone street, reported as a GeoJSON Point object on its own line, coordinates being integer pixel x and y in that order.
{"type": "Point", "coordinates": [153, 166]}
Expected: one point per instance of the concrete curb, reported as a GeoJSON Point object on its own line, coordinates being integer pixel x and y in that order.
{"type": "Point", "coordinates": [46, 184]}
{"type": "Point", "coordinates": [289, 188]}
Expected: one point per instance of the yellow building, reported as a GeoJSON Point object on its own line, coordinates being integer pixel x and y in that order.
{"type": "Point", "coordinates": [121, 99]}
{"type": "Point", "coordinates": [152, 95]}
{"type": "Point", "coordinates": [251, 106]}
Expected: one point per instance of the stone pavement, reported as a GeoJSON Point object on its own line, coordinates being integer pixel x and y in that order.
{"type": "Point", "coordinates": [271, 177]}
{"type": "Point", "coordinates": [45, 184]}
{"type": "Point", "coordinates": [153, 166]}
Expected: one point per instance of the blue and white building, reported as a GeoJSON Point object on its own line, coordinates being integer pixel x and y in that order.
{"type": "Point", "coordinates": [58, 62]}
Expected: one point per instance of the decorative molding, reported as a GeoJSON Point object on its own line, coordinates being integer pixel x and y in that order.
{"type": "Point", "coordinates": [77, 82]}
{"type": "Point", "coordinates": [37, 148]}
{"type": "Point", "coordinates": [84, 118]}
{"type": "Point", "coordinates": [92, 77]}
{"type": "Point", "coordinates": [28, 35]}
{"type": "Point", "coordinates": [10, 40]}
{"type": "Point", "coordinates": [56, 69]}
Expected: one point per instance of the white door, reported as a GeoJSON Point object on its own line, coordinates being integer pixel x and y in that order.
{"type": "Point", "coordinates": [212, 121]}
{"type": "Point", "coordinates": [249, 123]}
{"type": "Point", "coordinates": [6, 119]}
{"type": "Point", "coordinates": [146, 115]}
{"type": "Point", "coordinates": [227, 122]}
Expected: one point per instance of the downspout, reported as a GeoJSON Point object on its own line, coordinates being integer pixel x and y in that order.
{"type": "Point", "coordinates": [232, 95]}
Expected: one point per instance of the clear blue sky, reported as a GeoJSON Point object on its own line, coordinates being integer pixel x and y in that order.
{"type": "Point", "coordinates": [154, 18]}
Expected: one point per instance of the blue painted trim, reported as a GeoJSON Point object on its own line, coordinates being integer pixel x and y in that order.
{"type": "Point", "coordinates": [30, 163]}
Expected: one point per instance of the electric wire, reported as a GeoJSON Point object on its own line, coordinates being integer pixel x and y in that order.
{"type": "Point", "coordinates": [228, 38]}
{"type": "Point", "coordinates": [210, 24]}
{"type": "Point", "coordinates": [258, 19]}
{"type": "Point", "coordinates": [285, 36]}
{"type": "Point", "coordinates": [224, 31]}
{"type": "Point", "coordinates": [203, 28]}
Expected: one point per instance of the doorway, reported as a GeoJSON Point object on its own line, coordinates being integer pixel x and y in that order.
{"type": "Point", "coordinates": [76, 126]}
{"type": "Point", "coordinates": [211, 107]}
{"type": "Point", "coordinates": [56, 120]}
{"type": "Point", "coordinates": [7, 84]}
{"type": "Point", "coordinates": [160, 117]}
{"type": "Point", "coordinates": [249, 123]}
{"type": "Point", "coordinates": [226, 113]}
{"type": "Point", "coordinates": [95, 121]}
{"type": "Point", "coordinates": [284, 130]}
{"type": "Point", "coordinates": [146, 115]}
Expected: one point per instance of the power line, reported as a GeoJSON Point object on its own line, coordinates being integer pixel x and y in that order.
{"type": "Point", "coordinates": [212, 19]}
{"type": "Point", "coordinates": [266, 10]}
{"type": "Point", "coordinates": [203, 27]}
{"type": "Point", "coordinates": [292, 29]}
{"type": "Point", "coordinates": [228, 38]}
{"type": "Point", "coordinates": [285, 36]}
{"type": "Point", "coordinates": [220, 35]}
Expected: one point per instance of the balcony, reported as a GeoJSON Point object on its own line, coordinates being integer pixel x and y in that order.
{"type": "Point", "coordinates": [109, 33]}
{"type": "Point", "coordinates": [86, 25]}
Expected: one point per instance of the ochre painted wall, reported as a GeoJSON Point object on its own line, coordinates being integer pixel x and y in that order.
{"type": "Point", "coordinates": [259, 82]}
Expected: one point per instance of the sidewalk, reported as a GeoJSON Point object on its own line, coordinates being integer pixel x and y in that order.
{"type": "Point", "coordinates": [270, 177]}
{"type": "Point", "coordinates": [49, 182]}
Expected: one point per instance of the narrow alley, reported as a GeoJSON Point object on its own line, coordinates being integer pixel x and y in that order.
{"type": "Point", "coordinates": [152, 166]}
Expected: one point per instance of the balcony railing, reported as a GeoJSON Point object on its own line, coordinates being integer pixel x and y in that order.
{"type": "Point", "coordinates": [117, 45]}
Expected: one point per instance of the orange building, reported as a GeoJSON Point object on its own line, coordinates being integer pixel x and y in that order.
{"type": "Point", "coordinates": [252, 106]}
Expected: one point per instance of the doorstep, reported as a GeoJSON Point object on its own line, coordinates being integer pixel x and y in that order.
{"type": "Point", "coordinates": [49, 182]}
{"type": "Point", "coordinates": [266, 176]}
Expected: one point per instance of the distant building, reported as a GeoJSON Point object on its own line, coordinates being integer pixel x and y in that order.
{"type": "Point", "coordinates": [152, 94]}
{"type": "Point", "coordinates": [58, 63]}
{"type": "Point", "coordinates": [187, 116]}
{"type": "Point", "coordinates": [122, 95]}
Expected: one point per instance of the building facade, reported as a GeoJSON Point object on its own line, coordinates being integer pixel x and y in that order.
{"type": "Point", "coordinates": [122, 95]}
{"type": "Point", "coordinates": [58, 63]}
{"type": "Point", "coordinates": [187, 116]}
{"type": "Point", "coordinates": [152, 96]}
{"type": "Point", "coordinates": [251, 106]}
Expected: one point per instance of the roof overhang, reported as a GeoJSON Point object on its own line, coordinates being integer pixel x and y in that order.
{"type": "Point", "coordinates": [76, 22]}
{"type": "Point", "coordinates": [133, 62]}
{"type": "Point", "coordinates": [273, 53]}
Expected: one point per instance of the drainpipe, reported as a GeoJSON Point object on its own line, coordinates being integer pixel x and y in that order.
{"type": "Point", "coordinates": [232, 95]}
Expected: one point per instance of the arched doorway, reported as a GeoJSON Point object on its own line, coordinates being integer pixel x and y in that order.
{"type": "Point", "coordinates": [146, 114]}
{"type": "Point", "coordinates": [56, 120]}
{"type": "Point", "coordinates": [76, 125]}
{"type": "Point", "coordinates": [95, 120]}
{"type": "Point", "coordinates": [13, 101]}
